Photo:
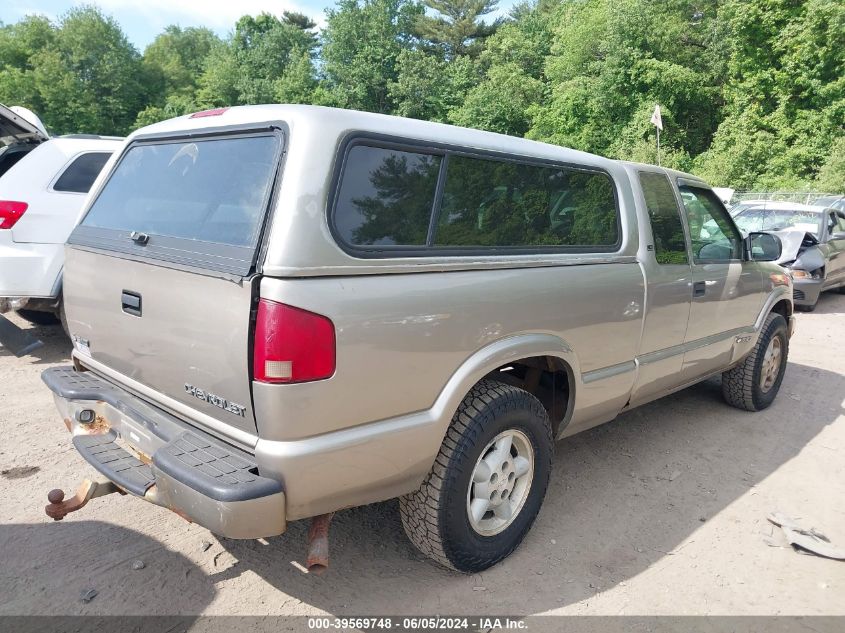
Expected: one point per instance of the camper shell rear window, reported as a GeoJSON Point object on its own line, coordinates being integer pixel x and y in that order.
{"type": "Point", "coordinates": [198, 201]}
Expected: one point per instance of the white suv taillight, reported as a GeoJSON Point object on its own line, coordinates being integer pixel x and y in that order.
{"type": "Point", "coordinates": [11, 212]}
{"type": "Point", "coordinates": [292, 345]}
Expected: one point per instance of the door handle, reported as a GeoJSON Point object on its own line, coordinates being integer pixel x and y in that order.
{"type": "Point", "coordinates": [130, 302]}
{"type": "Point", "coordinates": [698, 289]}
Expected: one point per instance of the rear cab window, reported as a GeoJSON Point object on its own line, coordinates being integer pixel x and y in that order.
{"type": "Point", "coordinates": [670, 244]}
{"type": "Point", "coordinates": [199, 202]}
{"type": "Point", "coordinates": [81, 173]}
{"type": "Point", "coordinates": [395, 201]}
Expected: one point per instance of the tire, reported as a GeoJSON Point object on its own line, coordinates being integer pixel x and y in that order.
{"type": "Point", "coordinates": [743, 386]}
{"type": "Point", "coordinates": [841, 290]}
{"type": "Point", "coordinates": [38, 317]}
{"type": "Point", "coordinates": [436, 517]}
{"type": "Point", "coordinates": [806, 308]}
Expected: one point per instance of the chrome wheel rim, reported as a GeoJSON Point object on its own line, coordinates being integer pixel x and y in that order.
{"type": "Point", "coordinates": [771, 364]}
{"type": "Point", "coordinates": [501, 482]}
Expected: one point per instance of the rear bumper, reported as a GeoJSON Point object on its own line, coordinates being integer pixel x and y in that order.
{"type": "Point", "coordinates": [29, 269]}
{"type": "Point", "coordinates": [154, 456]}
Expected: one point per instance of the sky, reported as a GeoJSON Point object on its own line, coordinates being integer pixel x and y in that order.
{"type": "Point", "coordinates": [142, 20]}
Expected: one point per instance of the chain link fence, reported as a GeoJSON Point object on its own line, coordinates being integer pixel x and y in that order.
{"type": "Point", "coordinates": [800, 197]}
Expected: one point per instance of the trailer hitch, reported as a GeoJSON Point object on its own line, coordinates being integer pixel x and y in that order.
{"type": "Point", "coordinates": [58, 508]}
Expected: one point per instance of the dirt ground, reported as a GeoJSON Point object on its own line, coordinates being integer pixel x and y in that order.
{"type": "Point", "coordinates": [661, 512]}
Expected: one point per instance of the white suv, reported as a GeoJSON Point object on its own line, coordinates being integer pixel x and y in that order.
{"type": "Point", "coordinates": [43, 183]}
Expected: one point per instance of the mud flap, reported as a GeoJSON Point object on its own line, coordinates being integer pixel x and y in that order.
{"type": "Point", "coordinates": [17, 340]}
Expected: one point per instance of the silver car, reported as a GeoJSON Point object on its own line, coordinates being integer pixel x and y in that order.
{"type": "Point", "coordinates": [282, 311]}
{"type": "Point", "coordinates": [813, 238]}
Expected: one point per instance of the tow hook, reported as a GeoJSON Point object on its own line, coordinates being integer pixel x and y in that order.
{"type": "Point", "coordinates": [318, 544]}
{"type": "Point", "coordinates": [58, 508]}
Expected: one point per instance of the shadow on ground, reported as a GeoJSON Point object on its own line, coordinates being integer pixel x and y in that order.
{"type": "Point", "coordinates": [68, 558]}
{"type": "Point", "coordinates": [56, 345]}
{"type": "Point", "coordinates": [622, 497]}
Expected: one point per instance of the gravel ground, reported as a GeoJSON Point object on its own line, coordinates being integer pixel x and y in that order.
{"type": "Point", "coordinates": [661, 512]}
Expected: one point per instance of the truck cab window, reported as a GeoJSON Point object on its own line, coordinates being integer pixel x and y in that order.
{"type": "Point", "coordinates": [670, 245]}
{"type": "Point", "coordinates": [713, 235]}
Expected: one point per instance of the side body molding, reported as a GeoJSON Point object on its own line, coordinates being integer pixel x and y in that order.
{"type": "Point", "coordinates": [743, 345]}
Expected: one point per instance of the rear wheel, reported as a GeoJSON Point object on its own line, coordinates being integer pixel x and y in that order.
{"type": "Point", "coordinates": [38, 317]}
{"type": "Point", "coordinates": [753, 384]}
{"type": "Point", "coordinates": [488, 480]}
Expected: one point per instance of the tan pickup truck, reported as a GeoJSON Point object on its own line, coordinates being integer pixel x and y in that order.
{"type": "Point", "coordinates": [282, 311]}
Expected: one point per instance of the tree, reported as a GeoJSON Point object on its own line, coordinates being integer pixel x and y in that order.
{"type": "Point", "coordinates": [81, 75]}
{"type": "Point", "coordinates": [177, 58]}
{"type": "Point", "coordinates": [362, 42]}
{"type": "Point", "coordinates": [609, 64]}
{"type": "Point", "coordinates": [19, 45]}
{"type": "Point", "coordinates": [299, 20]}
{"type": "Point", "coordinates": [501, 103]}
{"type": "Point", "coordinates": [261, 52]}
{"type": "Point", "coordinates": [429, 87]}
{"type": "Point", "coordinates": [513, 80]}
{"type": "Point", "coordinates": [456, 28]}
{"type": "Point", "coordinates": [785, 94]}
{"type": "Point", "coordinates": [831, 176]}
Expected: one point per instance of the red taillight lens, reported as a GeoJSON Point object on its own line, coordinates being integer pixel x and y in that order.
{"type": "Point", "coordinates": [11, 212]}
{"type": "Point", "coordinates": [292, 345]}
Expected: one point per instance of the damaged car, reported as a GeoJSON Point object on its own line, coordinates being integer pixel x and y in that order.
{"type": "Point", "coordinates": [813, 239]}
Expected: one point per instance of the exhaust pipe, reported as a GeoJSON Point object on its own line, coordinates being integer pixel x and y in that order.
{"type": "Point", "coordinates": [318, 544]}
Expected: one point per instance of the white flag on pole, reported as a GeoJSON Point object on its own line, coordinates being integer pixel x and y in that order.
{"type": "Point", "coordinates": [656, 119]}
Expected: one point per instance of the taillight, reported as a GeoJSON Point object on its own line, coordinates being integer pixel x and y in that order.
{"type": "Point", "coordinates": [11, 212]}
{"type": "Point", "coordinates": [292, 345]}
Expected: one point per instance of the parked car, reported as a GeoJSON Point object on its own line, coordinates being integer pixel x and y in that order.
{"type": "Point", "coordinates": [761, 203]}
{"type": "Point", "coordinates": [812, 236]}
{"type": "Point", "coordinates": [837, 203]}
{"type": "Point", "coordinates": [814, 255]}
{"type": "Point", "coordinates": [43, 183]}
{"type": "Point", "coordinates": [282, 311]}
{"type": "Point", "coordinates": [777, 217]}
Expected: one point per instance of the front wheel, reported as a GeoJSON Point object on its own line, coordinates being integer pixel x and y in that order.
{"type": "Point", "coordinates": [753, 384]}
{"type": "Point", "coordinates": [488, 480]}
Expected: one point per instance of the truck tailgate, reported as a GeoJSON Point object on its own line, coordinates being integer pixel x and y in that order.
{"type": "Point", "coordinates": [188, 339]}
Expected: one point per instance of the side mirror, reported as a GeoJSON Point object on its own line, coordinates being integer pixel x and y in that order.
{"type": "Point", "coordinates": [763, 247]}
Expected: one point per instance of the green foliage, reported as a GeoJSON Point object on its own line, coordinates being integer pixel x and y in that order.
{"type": "Point", "coordinates": [501, 102]}
{"type": "Point", "coordinates": [262, 51]}
{"type": "Point", "coordinates": [176, 59]}
{"type": "Point", "coordinates": [362, 42]}
{"type": "Point", "coordinates": [456, 29]}
{"type": "Point", "coordinates": [429, 87]}
{"type": "Point", "coordinates": [785, 94]}
{"type": "Point", "coordinates": [611, 62]}
{"type": "Point", "coordinates": [82, 74]}
{"type": "Point", "coordinates": [752, 91]}
{"type": "Point", "coordinates": [831, 176]}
